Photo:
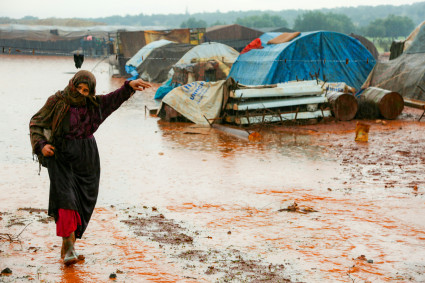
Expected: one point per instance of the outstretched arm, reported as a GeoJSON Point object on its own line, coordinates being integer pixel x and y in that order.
{"type": "Point", "coordinates": [112, 101]}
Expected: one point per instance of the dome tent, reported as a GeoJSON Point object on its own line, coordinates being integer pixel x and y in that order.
{"type": "Point", "coordinates": [223, 54]}
{"type": "Point", "coordinates": [210, 50]}
{"type": "Point", "coordinates": [332, 56]}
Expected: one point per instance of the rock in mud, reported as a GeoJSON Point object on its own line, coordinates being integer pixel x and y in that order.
{"type": "Point", "coordinates": [6, 271]}
{"type": "Point", "coordinates": [112, 276]}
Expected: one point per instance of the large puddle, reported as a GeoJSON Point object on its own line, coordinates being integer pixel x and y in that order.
{"type": "Point", "coordinates": [227, 193]}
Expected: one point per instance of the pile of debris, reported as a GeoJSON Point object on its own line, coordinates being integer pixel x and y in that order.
{"type": "Point", "coordinates": [296, 100]}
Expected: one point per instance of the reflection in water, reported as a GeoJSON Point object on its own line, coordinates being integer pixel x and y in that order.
{"type": "Point", "coordinates": [202, 138]}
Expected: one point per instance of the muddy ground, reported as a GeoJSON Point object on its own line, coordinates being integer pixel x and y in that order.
{"type": "Point", "coordinates": [184, 203]}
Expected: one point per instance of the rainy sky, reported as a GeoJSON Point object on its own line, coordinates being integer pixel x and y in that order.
{"type": "Point", "coordinates": [105, 8]}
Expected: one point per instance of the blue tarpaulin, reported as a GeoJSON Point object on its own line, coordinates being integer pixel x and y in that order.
{"type": "Point", "coordinates": [332, 56]}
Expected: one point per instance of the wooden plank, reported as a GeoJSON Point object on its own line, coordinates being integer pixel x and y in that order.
{"type": "Point", "coordinates": [284, 116]}
{"type": "Point", "coordinates": [414, 103]}
{"type": "Point", "coordinates": [274, 103]}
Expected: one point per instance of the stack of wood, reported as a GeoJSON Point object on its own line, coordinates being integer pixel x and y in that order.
{"type": "Point", "coordinates": [299, 100]}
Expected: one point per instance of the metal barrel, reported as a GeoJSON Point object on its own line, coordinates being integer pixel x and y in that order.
{"type": "Point", "coordinates": [389, 103]}
{"type": "Point", "coordinates": [344, 106]}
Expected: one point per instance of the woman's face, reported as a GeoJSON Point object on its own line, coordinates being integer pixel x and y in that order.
{"type": "Point", "coordinates": [83, 89]}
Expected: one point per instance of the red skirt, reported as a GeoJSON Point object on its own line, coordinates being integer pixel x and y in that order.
{"type": "Point", "coordinates": [67, 222]}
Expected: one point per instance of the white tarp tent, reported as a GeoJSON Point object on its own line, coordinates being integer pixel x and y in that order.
{"type": "Point", "coordinates": [209, 51]}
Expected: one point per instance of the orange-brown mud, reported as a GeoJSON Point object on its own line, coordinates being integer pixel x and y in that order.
{"type": "Point", "coordinates": [183, 203]}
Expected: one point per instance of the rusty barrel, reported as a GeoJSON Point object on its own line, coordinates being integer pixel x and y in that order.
{"type": "Point", "coordinates": [389, 103]}
{"type": "Point", "coordinates": [343, 105]}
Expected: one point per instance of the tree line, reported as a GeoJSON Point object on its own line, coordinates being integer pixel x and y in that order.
{"type": "Point", "coordinates": [390, 26]}
{"type": "Point", "coordinates": [378, 21]}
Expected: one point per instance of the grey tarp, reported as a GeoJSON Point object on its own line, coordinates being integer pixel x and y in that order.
{"type": "Point", "coordinates": [159, 62]}
{"type": "Point", "coordinates": [406, 73]}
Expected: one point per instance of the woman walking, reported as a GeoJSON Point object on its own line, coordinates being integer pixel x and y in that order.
{"type": "Point", "coordinates": [61, 135]}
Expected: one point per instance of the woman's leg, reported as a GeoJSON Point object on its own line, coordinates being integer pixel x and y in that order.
{"type": "Point", "coordinates": [67, 223]}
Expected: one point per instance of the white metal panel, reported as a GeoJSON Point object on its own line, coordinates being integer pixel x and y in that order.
{"type": "Point", "coordinates": [286, 89]}
{"type": "Point", "coordinates": [273, 103]}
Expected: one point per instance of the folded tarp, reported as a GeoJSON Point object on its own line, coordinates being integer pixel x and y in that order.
{"type": "Point", "coordinates": [197, 101]}
{"type": "Point", "coordinates": [284, 37]}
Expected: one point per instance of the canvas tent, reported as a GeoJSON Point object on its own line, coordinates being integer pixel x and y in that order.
{"type": "Point", "coordinates": [209, 57]}
{"type": "Point", "coordinates": [160, 60]}
{"type": "Point", "coordinates": [332, 56]}
{"type": "Point", "coordinates": [135, 61]}
{"type": "Point", "coordinates": [132, 41]}
{"type": "Point", "coordinates": [406, 73]}
{"type": "Point", "coordinates": [58, 39]}
{"type": "Point", "coordinates": [210, 50]}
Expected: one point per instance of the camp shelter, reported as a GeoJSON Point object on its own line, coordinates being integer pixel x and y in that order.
{"type": "Point", "coordinates": [156, 66]}
{"type": "Point", "coordinates": [59, 40]}
{"type": "Point", "coordinates": [234, 35]}
{"type": "Point", "coordinates": [20, 38]}
{"type": "Point", "coordinates": [209, 61]}
{"type": "Point", "coordinates": [210, 50]}
{"type": "Point", "coordinates": [329, 56]}
{"type": "Point", "coordinates": [135, 61]}
{"type": "Point", "coordinates": [132, 41]}
{"type": "Point", "coordinates": [406, 73]}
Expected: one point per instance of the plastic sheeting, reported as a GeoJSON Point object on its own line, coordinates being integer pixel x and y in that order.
{"type": "Point", "coordinates": [210, 50]}
{"type": "Point", "coordinates": [137, 59]}
{"type": "Point", "coordinates": [406, 73]}
{"type": "Point", "coordinates": [159, 62]}
{"type": "Point", "coordinates": [332, 56]}
{"type": "Point", "coordinates": [197, 100]}
{"type": "Point", "coordinates": [413, 35]}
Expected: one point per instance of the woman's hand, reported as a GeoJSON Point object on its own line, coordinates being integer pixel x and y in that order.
{"type": "Point", "coordinates": [139, 84]}
{"type": "Point", "coordinates": [48, 150]}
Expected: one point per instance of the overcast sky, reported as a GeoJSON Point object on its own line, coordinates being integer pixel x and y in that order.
{"type": "Point", "coordinates": [104, 8]}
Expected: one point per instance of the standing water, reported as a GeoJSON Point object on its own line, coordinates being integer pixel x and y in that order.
{"type": "Point", "coordinates": [230, 202]}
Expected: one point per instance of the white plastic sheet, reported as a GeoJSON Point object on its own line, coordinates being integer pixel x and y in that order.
{"type": "Point", "coordinates": [196, 100]}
